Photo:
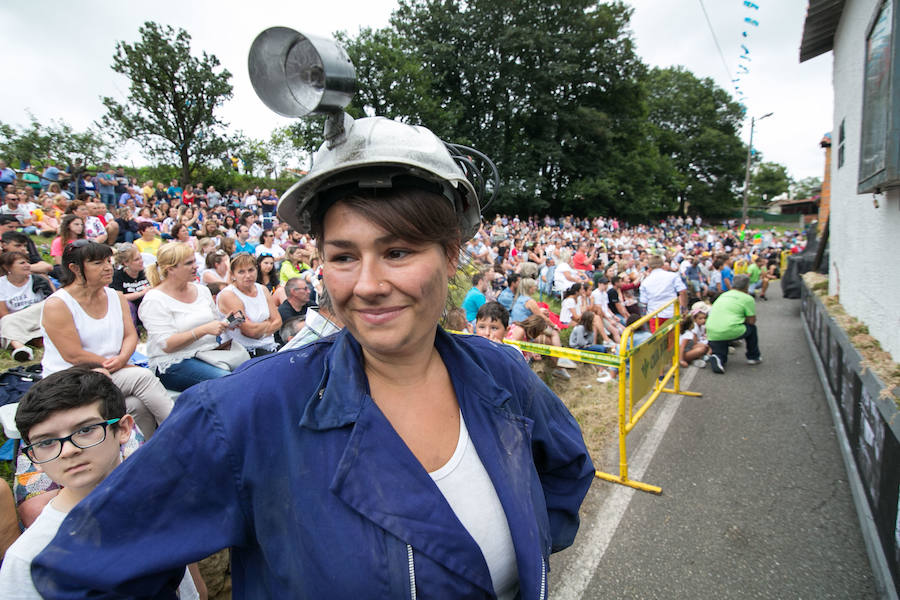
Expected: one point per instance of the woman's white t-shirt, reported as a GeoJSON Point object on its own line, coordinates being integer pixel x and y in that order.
{"type": "Point", "coordinates": [468, 489]}
{"type": "Point", "coordinates": [163, 316]}
{"type": "Point", "coordinates": [17, 297]}
{"type": "Point", "coordinates": [567, 312]}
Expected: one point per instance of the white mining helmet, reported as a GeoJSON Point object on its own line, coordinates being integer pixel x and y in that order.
{"type": "Point", "coordinates": [297, 75]}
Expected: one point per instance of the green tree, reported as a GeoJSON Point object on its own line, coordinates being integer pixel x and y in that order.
{"type": "Point", "coordinates": [37, 143]}
{"type": "Point", "coordinates": [694, 125]}
{"type": "Point", "coordinates": [767, 181]}
{"type": "Point", "coordinates": [254, 153]}
{"type": "Point", "coordinates": [282, 150]}
{"type": "Point", "coordinates": [172, 99]}
{"type": "Point", "coordinates": [548, 90]}
{"type": "Point", "coordinates": [807, 187]}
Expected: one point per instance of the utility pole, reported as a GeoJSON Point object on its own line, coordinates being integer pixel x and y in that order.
{"type": "Point", "coordinates": [744, 207]}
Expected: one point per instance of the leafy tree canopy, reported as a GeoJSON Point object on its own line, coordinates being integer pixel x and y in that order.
{"type": "Point", "coordinates": [172, 98]}
{"type": "Point", "coordinates": [695, 125]}
{"type": "Point", "coordinates": [767, 181]}
{"type": "Point", "coordinates": [38, 143]}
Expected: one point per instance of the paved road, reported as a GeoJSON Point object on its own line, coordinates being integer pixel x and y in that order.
{"type": "Point", "coordinates": [755, 500]}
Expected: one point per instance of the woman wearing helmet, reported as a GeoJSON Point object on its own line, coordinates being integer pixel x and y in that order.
{"type": "Point", "coordinates": [390, 460]}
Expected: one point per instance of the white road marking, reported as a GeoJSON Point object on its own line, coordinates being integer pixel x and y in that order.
{"type": "Point", "coordinates": [596, 535]}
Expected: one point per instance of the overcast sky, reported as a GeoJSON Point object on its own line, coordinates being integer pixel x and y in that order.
{"type": "Point", "coordinates": [57, 75]}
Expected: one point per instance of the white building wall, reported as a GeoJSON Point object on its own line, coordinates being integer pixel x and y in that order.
{"type": "Point", "coordinates": [865, 239]}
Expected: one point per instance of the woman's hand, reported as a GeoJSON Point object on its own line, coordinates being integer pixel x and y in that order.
{"type": "Point", "coordinates": [211, 328]}
{"type": "Point", "coordinates": [114, 363]}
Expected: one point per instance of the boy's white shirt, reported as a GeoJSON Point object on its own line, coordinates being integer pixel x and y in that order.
{"type": "Point", "coordinates": [15, 573]}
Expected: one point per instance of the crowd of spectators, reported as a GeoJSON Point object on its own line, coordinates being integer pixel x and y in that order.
{"type": "Point", "coordinates": [606, 274]}
{"type": "Point", "coordinates": [210, 279]}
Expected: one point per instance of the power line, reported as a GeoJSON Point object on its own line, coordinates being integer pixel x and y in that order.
{"type": "Point", "coordinates": [716, 40]}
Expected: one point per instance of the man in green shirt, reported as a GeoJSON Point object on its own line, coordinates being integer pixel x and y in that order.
{"type": "Point", "coordinates": [733, 317]}
{"type": "Point", "coordinates": [758, 278]}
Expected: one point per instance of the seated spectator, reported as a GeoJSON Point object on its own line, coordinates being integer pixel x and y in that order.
{"type": "Point", "coordinates": [21, 300]}
{"type": "Point", "coordinates": [9, 520]}
{"type": "Point", "coordinates": [538, 330]}
{"type": "Point", "coordinates": [74, 335]}
{"type": "Point", "coordinates": [229, 226]}
{"type": "Point", "coordinates": [491, 321]}
{"type": "Point", "coordinates": [565, 275]}
{"type": "Point", "coordinates": [93, 215]}
{"type": "Point", "coordinates": [181, 233]}
{"type": "Point", "coordinates": [149, 240]}
{"type": "Point", "coordinates": [210, 230]}
{"type": "Point", "coordinates": [266, 273]}
{"type": "Point", "coordinates": [83, 407]}
{"type": "Point", "coordinates": [128, 227]}
{"type": "Point", "coordinates": [46, 218]}
{"type": "Point", "coordinates": [475, 296]}
{"type": "Point", "coordinates": [217, 263]}
{"type": "Point", "coordinates": [14, 241]}
{"type": "Point", "coordinates": [257, 332]}
{"type": "Point", "coordinates": [731, 318]}
{"type": "Point", "coordinates": [320, 322]}
{"type": "Point", "coordinates": [14, 207]}
{"type": "Point", "coordinates": [694, 346]}
{"type": "Point", "coordinates": [759, 278]}
{"type": "Point", "coordinates": [228, 246]}
{"type": "Point", "coordinates": [584, 335]}
{"type": "Point", "coordinates": [569, 311]}
{"type": "Point", "coordinates": [242, 242]}
{"type": "Point", "coordinates": [268, 246]}
{"type": "Point", "coordinates": [296, 301]}
{"type": "Point", "coordinates": [292, 265]}
{"type": "Point", "coordinates": [189, 216]}
{"type": "Point", "coordinates": [71, 228]}
{"type": "Point", "coordinates": [181, 320]}
{"type": "Point", "coordinates": [129, 278]}
{"type": "Point", "coordinates": [508, 294]}
{"type": "Point", "coordinates": [455, 320]}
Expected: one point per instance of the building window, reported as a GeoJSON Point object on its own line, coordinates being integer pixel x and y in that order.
{"type": "Point", "coordinates": [840, 152]}
{"type": "Point", "coordinates": [879, 160]}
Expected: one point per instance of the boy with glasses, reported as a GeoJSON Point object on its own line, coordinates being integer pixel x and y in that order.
{"type": "Point", "coordinates": [73, 423]}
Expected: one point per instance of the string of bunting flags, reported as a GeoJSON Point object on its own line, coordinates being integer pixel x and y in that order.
{"type": "Point", "coordinates": [750, 21]}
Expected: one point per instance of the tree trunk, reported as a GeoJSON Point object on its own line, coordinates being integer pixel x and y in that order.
{"type": "Point", "coordinates": [185, 166]}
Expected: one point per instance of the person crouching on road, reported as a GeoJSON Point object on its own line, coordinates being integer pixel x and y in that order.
{"type": "Point", "coordinates": [731, 318]}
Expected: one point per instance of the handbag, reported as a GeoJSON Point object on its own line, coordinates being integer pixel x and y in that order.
{"type": "Point", "coordinates": [228, 360]}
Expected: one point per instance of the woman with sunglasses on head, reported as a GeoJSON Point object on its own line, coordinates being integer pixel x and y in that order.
{"type": "Point", "coordinates": [217, 265]}
{"type": "Point", "coordinates": [87, 321]}
{"type": "Point", "coordinates": [253, 300]}
{"type": "Point", "coordinates": [430, 464]}
{"type": "Point", "coordinates": [181, 320]}
{"type": "Point", "coordinates": [267, 245]}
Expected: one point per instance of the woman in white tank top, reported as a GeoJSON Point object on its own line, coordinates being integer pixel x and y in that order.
{"type": "Point", "coordinates": [262, 320]}
{"type": "Point", "coordinates": [87, 322]}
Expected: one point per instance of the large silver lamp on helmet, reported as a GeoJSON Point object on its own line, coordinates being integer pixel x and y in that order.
{"type": "Point", "coordinates": [298, 75]}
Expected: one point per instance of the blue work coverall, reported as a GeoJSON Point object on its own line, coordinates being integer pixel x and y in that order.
{"type": "Point", "coordinates": [291, 464]}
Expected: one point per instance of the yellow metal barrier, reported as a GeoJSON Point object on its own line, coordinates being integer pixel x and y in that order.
{"type": "Point", "coordinates": [643, 366]}
{"type": "Point", "coordinates": [639, 369]}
